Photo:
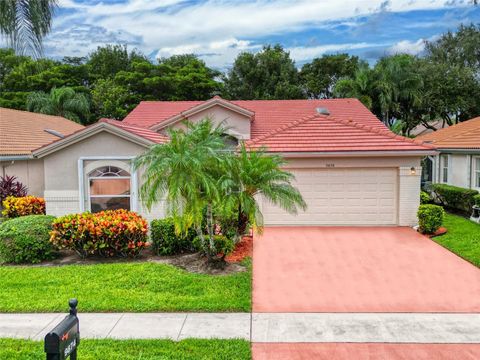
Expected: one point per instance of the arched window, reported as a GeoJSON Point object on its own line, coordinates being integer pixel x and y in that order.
{"type": "Point", "coordinates": [109, 189]}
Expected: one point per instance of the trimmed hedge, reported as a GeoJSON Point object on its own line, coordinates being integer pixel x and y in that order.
{"type": "Point", "coordinates": [107, 233]}
{"type": "Point", "coordinates": [455, 198]}
{"type": "Point", "coordinates": [165, 241]}
{"type": "Point", "coordinates": [430, 218]}
{"type": "Point", "coordinates": [476, 199]}
{"type": "Point", "coordinates": [25, 240]}
{"type": "Point", "coordinates": [22, 206]}
{"type": "Point", "coordinates": [424, 197]}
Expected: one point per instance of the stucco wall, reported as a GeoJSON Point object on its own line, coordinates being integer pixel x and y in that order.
{"type": "Point", "coordinates": [460, 170]}
{"type": "Point", "coordinates": [61, 172]}
{"type": "Point", "coordinates": [239, 124]}
{"type": "Point", "coordinates": [29, 172]}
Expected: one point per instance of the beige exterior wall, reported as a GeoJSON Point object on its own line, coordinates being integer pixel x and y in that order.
{"type": "Point", "coordinates": [239, 124]}
{"type": "Point", "coordinates": [405, 182]}
{"type": "Point", "coordinates": [29, 172]}
{"type": "Point", "coordinates": [61, 172]}
{"type": "Point", "coordinates": [460, 170]}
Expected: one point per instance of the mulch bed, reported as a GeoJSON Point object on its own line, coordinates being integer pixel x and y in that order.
{"type": "Point", "coordinates": [242, 250]}
{"type": "Point", "coordinates": [439, 232]}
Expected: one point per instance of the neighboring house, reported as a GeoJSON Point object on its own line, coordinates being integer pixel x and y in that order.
{"type": "Point", "coordinates": [458, 161]}
{"type": "Point", "coordinates": [421, 129]}
{"type": "Point", "coordinates": [21, 132]}
{"type": "Point", "coordinates": [349, 167]}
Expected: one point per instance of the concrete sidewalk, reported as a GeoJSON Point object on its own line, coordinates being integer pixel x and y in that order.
{"type": "Point", "coordinates": [259, 327]}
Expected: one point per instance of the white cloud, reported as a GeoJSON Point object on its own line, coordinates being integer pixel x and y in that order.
{"type": "Point", "coordinates": [303, 53]}
{"type": "Point", "coordinates": [408, 47]}
{"type": "Point", "coordinates": [215, 29]}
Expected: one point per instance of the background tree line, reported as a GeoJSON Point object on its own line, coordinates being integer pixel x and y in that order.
{"type": "Point", "coordinates": [402, 90]}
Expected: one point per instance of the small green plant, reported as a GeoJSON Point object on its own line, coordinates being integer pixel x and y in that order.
{"type": "Point", "coordinates": [222, 246]}
{"type": "Point", "coordinates": [424, 197]}
{"type": "Point", "coordinates": [25, 240]}
{"type": "Point", "coordinates": [455, 198]}
{"type": "Point", "coordinates": [430, 218]}
{"type": "Point", "coordinates": [166, 241]}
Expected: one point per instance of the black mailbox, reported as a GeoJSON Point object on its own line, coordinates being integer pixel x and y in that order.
{"type": "Point", "coordinates": [63, 340]}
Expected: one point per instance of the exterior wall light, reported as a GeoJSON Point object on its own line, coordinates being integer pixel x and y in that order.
{"type": "Point", "coordinates": [413, 171]}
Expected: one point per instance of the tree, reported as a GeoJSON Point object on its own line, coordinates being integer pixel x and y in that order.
{"type": "Point", "coordinates": [203, 181]}
{"type": "Point", "coordinates": [359, 86]}
{"type": "Point", "coordinates": [320, 76]}
{"type": "Point", "coordinates": [461, 48]}
{"type": "Point", "coordinates": [251, 174]}
{"type": "Point", "coordinates": [61, 102]}
{"type": "Point", "coordinates": [110, 100]}
{"type": "Point", "coordinates": [26, 22]}
{"type": "Point", "coordinates": [268, 74]}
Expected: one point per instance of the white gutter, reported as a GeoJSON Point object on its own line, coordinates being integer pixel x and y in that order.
{"type": "Point", "coordinates": [15, 157]}
{"type": "Point", "coordinates": [356, 153]}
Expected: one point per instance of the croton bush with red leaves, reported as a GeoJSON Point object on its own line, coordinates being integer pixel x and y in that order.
{"type": "Point", "coordinates": [14, 207]}
{"type": "Point", "coordinates": [107, 233]}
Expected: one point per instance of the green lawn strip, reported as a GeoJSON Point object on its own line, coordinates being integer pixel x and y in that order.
{"type": "Point", "coordinates": [134, 349]}
{"type": "Point", "coordinates": [120, 287]}
{"type": "Point", "coordinates": [462, 238]}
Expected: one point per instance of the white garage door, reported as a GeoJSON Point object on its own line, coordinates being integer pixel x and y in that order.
{"type": "Point", "coordinates": [341, 197]}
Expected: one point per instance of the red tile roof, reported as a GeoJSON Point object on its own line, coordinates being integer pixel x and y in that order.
{"type": "Point", "coordinates": [295, 125]}
{"type": "Point", "coordinates": [269, 114]}
{"type": "Point", "coordinates": [139, 131]}
{"type": "Point", "coordinates": [321, 133]}
{"type": "Point", "coordinates": [465, 135]}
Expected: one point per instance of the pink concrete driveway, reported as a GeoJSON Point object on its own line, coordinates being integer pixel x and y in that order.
{"type": "Point", "coordinates": [359, 269]}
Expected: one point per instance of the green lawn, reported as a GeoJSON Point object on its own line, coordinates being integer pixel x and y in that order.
{"type": "Point", "coordinates": [194, 349]}
{"type": "Point", "coordinates": [134, 287]}
{"type": "Point", "coordinates": [462, 238]}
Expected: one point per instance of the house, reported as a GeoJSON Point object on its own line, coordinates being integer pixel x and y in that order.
{"type": "Point", "coordinates": [349, 167]}
{"type": "Point", "coordinates": [21, 132]}
{"type": "Point", "coordinates": [458, 159]}
{"type": "Point", "coordinates": [421, 129]}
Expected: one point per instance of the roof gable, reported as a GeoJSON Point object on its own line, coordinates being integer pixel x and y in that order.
{"type": "Point", "coordinates": [465, 135]}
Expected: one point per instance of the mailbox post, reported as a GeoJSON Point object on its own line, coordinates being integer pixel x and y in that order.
{"type": "Point", "coordinates": [63, 340]}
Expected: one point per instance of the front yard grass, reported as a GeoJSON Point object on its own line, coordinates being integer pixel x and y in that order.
{"type": "Point", "coordinates": [121, 287]}
{"type": "Point", "coordinates": [462, 238]}
{"type": "Point", "coordinates": [194, 349]}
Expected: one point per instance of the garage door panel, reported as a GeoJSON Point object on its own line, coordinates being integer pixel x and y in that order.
{"type": "Point", "coordinates": [341, 197]}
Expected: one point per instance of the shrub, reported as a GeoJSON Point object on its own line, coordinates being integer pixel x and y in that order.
{"type": "Point", "coordinates": [107, 233]}
{"type": "Point", "coordinates": [476, 199]}
{"type": "Point", "coordinates": [22, 206]}
{"type": "Point", "coordinates": [165, 241]}
{"type": "Point", "coordinates": [223, 246]}
{"type": "Point", "coordinates": [430, 218]}
{"type": "Point", "coordinates": [26, 239]}
{"type": "Point", "coordinates": [10, 186]}
{"type": "Point", "coordinates": [424, 197]}
{"type": "Point", "coordinates": [455, 198]}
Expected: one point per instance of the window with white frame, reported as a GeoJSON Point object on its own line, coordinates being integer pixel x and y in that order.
{"type": "Point", "coordinates": [476, 172]}
{"type": "Point", "coordinates": [109, 189]}
{"type": "Point", "coordinates": [444, 168]}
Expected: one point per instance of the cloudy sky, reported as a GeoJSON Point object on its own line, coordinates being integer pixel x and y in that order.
{"type": "Point", "coordinates": [217, 30]}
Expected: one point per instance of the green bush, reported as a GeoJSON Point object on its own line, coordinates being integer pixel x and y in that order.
{"type": "Point", "coordinates": [476, 199]}
{"type": "Point", "coordinates": [430, 218]}
{"type": "Point", "coordinates": [26, 239]}
{"type": "Point", "coordinates": [424, 197]}
{"type": "Point", "coordinates": [223, 246]}
{"type": "Point", "coordinates": [455, 198]}
{"type": "Point", "coordinates": [165, 241]}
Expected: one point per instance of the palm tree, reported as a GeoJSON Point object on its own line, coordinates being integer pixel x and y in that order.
{"type": "Point", "coordinates": [183, 172]}
{"type": "Point", "coordinates": [253, 174]}
{"type": "Point", "coordinates": [63, 101]}
{"type": "Point", "coordinates": [26, 22]}
{"type": "Point", "coordinates": [357, 87]}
